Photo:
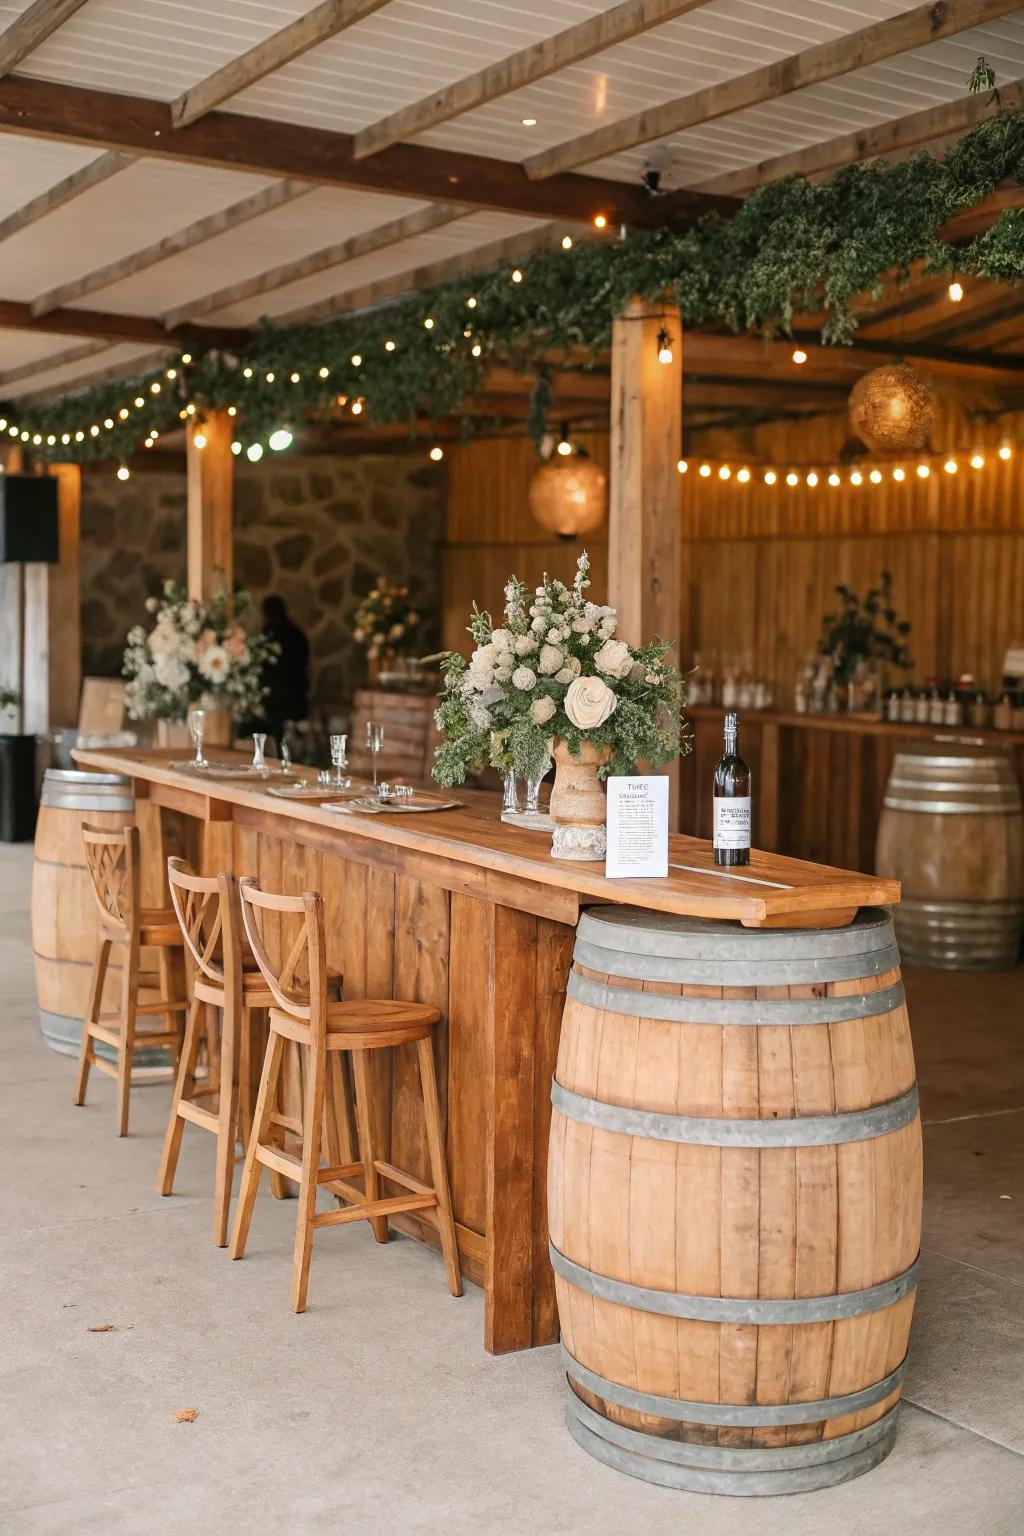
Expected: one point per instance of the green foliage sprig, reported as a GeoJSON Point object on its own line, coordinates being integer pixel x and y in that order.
{"type": "Point", "coordinates": [864, 630]}
{"type": "Point", "coordinates": [792, 246]}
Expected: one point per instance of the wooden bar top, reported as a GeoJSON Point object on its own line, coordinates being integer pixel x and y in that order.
{"type": "Point", "coordinates": [772, 891]}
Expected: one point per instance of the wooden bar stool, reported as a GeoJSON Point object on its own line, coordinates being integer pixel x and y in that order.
{"type": "Point", "coordinates": [114, 865]}
{"type": "Point", "coordinates": [227, 984]}
{"type": "Point", "coordinates": [304, 1013]}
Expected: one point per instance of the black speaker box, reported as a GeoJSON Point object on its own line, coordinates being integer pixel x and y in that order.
{"type": "Point", "coordinates": [29, 528]}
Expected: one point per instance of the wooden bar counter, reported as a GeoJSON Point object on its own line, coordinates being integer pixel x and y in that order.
{"type": "Point", "coordinates": [473, 916]}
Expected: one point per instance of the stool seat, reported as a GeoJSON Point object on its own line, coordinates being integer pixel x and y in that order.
{"type": "Point", "coordinates": [159, 927]}
{"type": "Point", "coordinates": [367, 1024]}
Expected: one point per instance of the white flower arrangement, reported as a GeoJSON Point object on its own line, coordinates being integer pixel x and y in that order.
{"type": "Point", "coordinates": [554, 670]}
{"type": "Point", "coordinates": [196, 653]}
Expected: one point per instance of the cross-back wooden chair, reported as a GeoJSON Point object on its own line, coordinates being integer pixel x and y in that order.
{"type": "Point", "coordinates": [113, 858]}
{"type": "Point", "coordinates": [303, 1012]}
{"type": "Point", "coordinates": [227, 986]}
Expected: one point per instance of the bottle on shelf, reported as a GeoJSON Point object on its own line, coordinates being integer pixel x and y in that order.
{"type": "Point", "coordinates": [731, 801]}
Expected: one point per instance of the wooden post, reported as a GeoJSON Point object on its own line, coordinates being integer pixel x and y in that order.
{"type": "Point", "coordinates": [645, 520]}
{"type": "Point", "coordinates": [210, 477]}
{"type": "Point", "coordinates": [12, 600]}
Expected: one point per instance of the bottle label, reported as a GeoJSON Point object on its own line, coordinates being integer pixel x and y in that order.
{"type": "Point", "coordinates": [732, 821]}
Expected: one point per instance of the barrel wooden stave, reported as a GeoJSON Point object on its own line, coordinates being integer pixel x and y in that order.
{"type": "Point", "coordinates": [951, 831]}
{"type": "Point", "coordinates": [742, 1222]}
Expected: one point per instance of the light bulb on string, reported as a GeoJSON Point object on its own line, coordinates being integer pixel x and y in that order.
{"type": "Point", "coordinates": [186, 358]}
{"type": "Point", "coordinates": [899, 473]}
{"type": "Point", "coordinates": [357, 407]}
{"type": "Point", "coordinates": [199, 439]}
{"type": "Point", "coordinates": [94, 430]}
{"type": "Point", "coordinates": [108, 422]}
{"type": "Point", "coordinates": [664, 346]}
{"type": "Point", "coordinates": [682, 466]}
{"type": "Point", "coordinates": [951, 466]}
{"type": "Point", "coordinates": [323, 373]}
{"type": "Point", "coordinates": [236, 447]}
{"type": "Point", "coordinates": [724, 472]}
{"type": "Point", "coordinates": [1005, 451]}
{"type": "Point", "coordinates": [246, 373]}
{"type": "Point", "coordinates": [139, 402]}
{"type": "Point", "coordinates": [812, 479]}
{"type": "Point", "coordinates": [154, 388]}
{"type": "Point", "coordinates": [270, 376]}
{"type": "Point", "coordinates": [172, 373]}
{"type": "Point", "coordinates": [799, 356]}
{"type": "Point", "coordinates": [743, 475]}
{"type": "Point", "coordinates": [190, 409]}
{"type": "Point", "coordinates": [356, 360]}
{"type": "Point", "coordinates": [476, 349]}
{"type": "Point", "coordinates": [232, 410]}
{"type": "Point", "coordinates": [428, 324]}
{"type": "Point", "coordinates": [437, 453]}
{"type": "Point", "coordinates": [517, 275]}
{"type": "Point", "coordinates": [977, 461]}
{"type": "Point", "coordinates": [51, 441]}
{"type": "Point", "coordinates": [295, 377]}
{"type": "Point", "coordinates": [792, 478]}
{"type": "Point", "coordinates": [600, 221]}
{"type": "Point", "coordinates": [705, 471]}
{"type": "Point", "coordinates": [123, 472]}
{"type": "Point", "coordinates": [923, 471]}
{"type": "Point", "coordinates": [875, 477]}
{"type": "Point", "coordinates": [835, 479]}
{"type": "Point", "coordinates": [37, 439]}
{"type": "Point", "coordinates": [856, 478]}
{"type": "Point", "coordinates": [254, 452]}
{"type": "Point", "coordinates": [389, 346]}
{"type": "Point", "coordinates": [567, 242]}
{"type": "Point", "coordinates": [471, 302]}
{"type": "Point", "coordinates": [770, 477]}
{"type": "Point", "coordinates": [956, 292]}
{"type": "Point", "coordinates": [280, 440]}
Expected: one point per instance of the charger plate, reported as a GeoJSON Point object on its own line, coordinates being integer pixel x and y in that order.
{"type": "Point", "coordinates": [367, 806]}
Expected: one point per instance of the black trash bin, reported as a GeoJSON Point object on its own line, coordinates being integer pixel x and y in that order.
{"type": "Point", "coordinates": [17, 789]}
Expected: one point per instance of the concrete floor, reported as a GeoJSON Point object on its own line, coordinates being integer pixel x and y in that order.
{"type": "Point", "coordinates": [378, 1411]}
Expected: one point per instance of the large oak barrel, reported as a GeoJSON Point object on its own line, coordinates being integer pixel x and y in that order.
{"type": "Point", "coordinates": [65, 922]}
{"type": "Point", "coordinates": [734, 1199]}
{"type": "Point", "coordinates": [952, 832]}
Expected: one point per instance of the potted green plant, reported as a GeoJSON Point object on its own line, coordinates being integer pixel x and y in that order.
{"type": "Point", "coordinates": [862, 639]}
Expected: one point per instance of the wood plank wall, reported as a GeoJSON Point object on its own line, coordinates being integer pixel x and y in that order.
{"type": "Point", "coordinates": [759, 562]}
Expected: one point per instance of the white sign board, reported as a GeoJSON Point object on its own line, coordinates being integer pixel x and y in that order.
{"type": "Point", "coordinates": [637, 827]}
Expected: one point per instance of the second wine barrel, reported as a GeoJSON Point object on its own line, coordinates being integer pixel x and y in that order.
{"type": "Point", "coordinates": [734, 1199]}
{"type": "Point", "coordinates": [952, 832]}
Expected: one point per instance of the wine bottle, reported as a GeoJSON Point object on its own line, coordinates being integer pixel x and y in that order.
{"type": "Point", "coordinates": [732, 802]}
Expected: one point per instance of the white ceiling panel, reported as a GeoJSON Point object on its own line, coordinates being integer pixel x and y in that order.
{"type": "Point", "coordinates": [20, 347]}
{"type": "Point", "coordinates": [61, 380]}
{"type": "Point", "coordinates": [32, 166]}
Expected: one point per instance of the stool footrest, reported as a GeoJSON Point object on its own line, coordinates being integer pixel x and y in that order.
{"type": "Point", "coordinates": [280, 1162]}
{"type": "Point", "coordinates": [144, 1010]}
{"type": "Point", "coordinates": [339, 1171]}
{"type": "Point", "coordinates": [370, 1208]}
{"type": "Point", "coordinates": [114, 1038]}
{"type": "Point", "coordinates": [198, 1115]}
{"type": "Point", "coordinates": [287, 1123]}
{"type": "Point", "coordinates": [399, 1176]}
{"type": "Point", "coordinates": [103, 1066]}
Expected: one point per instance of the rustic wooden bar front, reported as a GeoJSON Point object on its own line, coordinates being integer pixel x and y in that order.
{"type": "Point", "coordinates": [473, 916]}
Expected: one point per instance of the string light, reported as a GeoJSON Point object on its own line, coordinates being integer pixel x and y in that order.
{"type": "Point", "coordinates": [517, 275]}
{"type": "Point", "coordinates": [139, 402]}
{"type": "Point", "coordinates": [172, 373]}
{"type": "Point", "coordinates": [951, 466]}
{"type": "Point", "coordinates": [977, 461]}
{"type": "Point", "coordinates": [923, 471]}
{"type": "Point", "coordinates": [232, 410]}
{"type": "Point", "coordinates": [199, 438]}
{"type": "Point", "coordinates": [324, 373]}
{"type": "Point", "coordinates": [899, 473]}
{"type": "Point", "coordinates": [682, 466]}
{"type": "Point", "coordinates": [270, 377]}
{"type": "Point", "coordinates": [246, 373]}
{"type": "Point", "coordinates": [856, 478]}
{"type": "Point", "coordinates": [236, 447]}
{"type": "Point", "coordinates": [123, 472]}
{"type": "Point", "coordinates": [476, 349]}
{"type": "Point", "coordinates": [186, 358]}
{"type": "Point", "coordinates": [835, 479]}
{"type": "Point", "coordinates": [357, 407]}
{"type": "Point", "coordinates": [437, 453]}
{"type": "Point", "coordinates": [280, 440]}
{"type": "Point", "coordinates": [770, 477]}
{"type": "Point", "coordinates": [295, 377]}
{"type": "Point", "coordinates": [529, 122]}
{"type": "Point", "coordinates": [428, 324]}
{"type": "Point", "coordinates": [94, 430]}
{"type": "Point", "coordinates": [254, 452]}
{"type": "Point", "coordinates": [471, 302]}
{"type": "Point", "coordinates": [743, 475]}
{"type": "Point", "coordinates": [190, 409]}
{"type": "Point", "coordinates": [724, 472]}
{"type": "Point", "coordinates": [792, 478]}
{"type": "Point", "coordinates": [664, 346]}
{"type": "Point", "coordinates": [799, 356]}
{"type": "Point", "coordinates": [600, 221]}
{"type": "Point", "coordinates": [812, 479]}
{"type": "Point", "coordinates": [705, 471]}
{"type": "Point", "coordinates": [109, 423]}
{"type": "Point", "coordinates": [148, 443]}
{"type": "Point", "coordinates": [1005, 451]}
{"type": "Point", "coordinates": [875, 477]}
{"type": "Point", "coordinates": [154, 388]}
{"type": "Point", "coordinates": [356, 360]}
{"type": "Point", "coordinates": [956, 292]}
{"type": "Point", "coordinates": [389, 346]}
{"type": "Point", "coordinates": [567, 242]}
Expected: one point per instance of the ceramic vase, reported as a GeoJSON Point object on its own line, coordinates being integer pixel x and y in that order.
{"type": "Point", "coordinates": [578, 803]}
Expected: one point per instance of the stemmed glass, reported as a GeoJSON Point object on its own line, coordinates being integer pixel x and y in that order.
{"type": "Point", "coordinates": [339, 759]}
{"type": "Point", "coordinates": [197, 730]}
{"type": "Point", "coordinates": [374, 743]}
{"type": "Point", "coordinates": [259, 761]}
{"type": "Point", "coordinates": [510, 795]}
{"type": "Point", "coordinates": [533, 783]}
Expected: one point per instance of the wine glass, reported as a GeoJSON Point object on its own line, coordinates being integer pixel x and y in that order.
{"type": "Point", "coordinates": [259, 761]}
{"type": "Point", "coordinates": [339, 758]}
{"type": "Point", "coordinates": [197, 731]}
{"type": "Point", "coordinates": [284, 752]}
{"type": "Point", "coordinates": [510, 795]}
{"type": "Point", "coordinates": [533, 783]}
{"type": "Point", "coordinates": [374, 743]}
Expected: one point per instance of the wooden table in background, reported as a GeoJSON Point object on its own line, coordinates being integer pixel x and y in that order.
{"type": "Point", "coordinates": [475, 917]}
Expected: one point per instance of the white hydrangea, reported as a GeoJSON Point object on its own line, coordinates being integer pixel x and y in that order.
{"type": "Point", "coordinates": [480, 716]}
{"type": "Point", "coordinates": [525, 645]}
{"type": "Point", "coordinates": [551, 658]}
{"type": "Point", "coordinates": [582, 626]}
{"type": "Point", "coordinates": [556, 635]}
{"type": "Point", "coordinates": [539, 625]}
{"type": "Point", "coordinates": [501, 639]}
{"type": "Point", "coordinates": [524, 678]}
{"type": "Point", "coordinates": [614, 659]}
{"type": "Point", "coordinates": [170, 672]}
{"type": "Point", "coordinates": [541, 710]}
{"type": "Point", "coordinates": [573, 667]}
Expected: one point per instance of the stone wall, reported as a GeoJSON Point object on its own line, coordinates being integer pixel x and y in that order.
{"type": "Point", "coordinates": [317, 530]}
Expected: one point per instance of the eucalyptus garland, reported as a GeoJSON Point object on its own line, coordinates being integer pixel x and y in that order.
{"type": "Point", "coordinates": [792, 246]}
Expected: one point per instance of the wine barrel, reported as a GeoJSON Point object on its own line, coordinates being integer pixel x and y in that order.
{"type": "Point", "coordinates": [734, 1199]}
{"type": "Point", "coordinates": [952, 832]}
{"type": "Point", "coordinates": [65, 922]}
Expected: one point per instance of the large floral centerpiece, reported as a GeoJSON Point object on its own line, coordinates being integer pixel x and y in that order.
{"type": "Point", "coordinates": [554, 679]}
{"type": "Point", "coordinates": [195, 654]}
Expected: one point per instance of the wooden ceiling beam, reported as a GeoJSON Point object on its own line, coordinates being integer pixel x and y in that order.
{"type": "Point", "coordinates": [565, 48]}
{"type": "Point", "coordinates": [108, 375]}
{"type": "Point", "coordinates": [41, 365]}
{"type": "Point", "coordinates": [33, 27]}
{"type": "Point", "coordinates": [139, 125]}
{"type": "Point", "coordinates": [924, 24]}
{"type": "Point", "coordinates": [92, 175]}
{"type": "Point", "coordinates": [315, 27]}
{"type": "Point", "coordinates": [434, 216]}
{"type": "Point", "coordinates": [219, 223]}
{"type": "Point", "coordinates": [17, 316]}
{"type": "Point", "coordinates": [897, 137]}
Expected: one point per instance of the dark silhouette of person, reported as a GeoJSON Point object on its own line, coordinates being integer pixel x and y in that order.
{"type": "Point", "coordinates": [286, 677]}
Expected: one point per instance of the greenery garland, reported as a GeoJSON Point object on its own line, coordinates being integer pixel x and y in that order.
{"type": "Point", "coordinates": [792, 246]}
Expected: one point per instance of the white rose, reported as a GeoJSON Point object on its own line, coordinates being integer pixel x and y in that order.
{"type": "Point", "coordinates": [582, 626]}
{"type": "Point", "coordinates": [524, 678]}
{"type": "Point", "coordinates": [572, 669]}
{"type": "Point", "coordinates": [541, 710]}
{"type": "Point", "coordinates": [614, 658]}
{"type": "Point", "coordinates": [539, 625]}
{"type": "Point", "coordinates": [215, 663]}
{"type": "Point", "coordinates": [525, 644]}
{"type": "Point", "coordinates": [170, 673]}
{"type": "Point", "coordinates": [503, 672]}
{"type": "Point", "coordinates": [554, 635]}
{"type": "Point", "coordinates": [502, 639]}
{"type": "Point", "coordinates": [551, 658]}
{"type": "Point", "coordinates": [589, 702]}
